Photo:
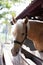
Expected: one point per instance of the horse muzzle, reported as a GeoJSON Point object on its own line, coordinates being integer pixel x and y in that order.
{"type": "Point", "coordinates": [14, 52]}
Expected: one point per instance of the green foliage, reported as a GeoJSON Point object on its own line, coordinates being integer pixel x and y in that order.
{"type": "Point", "coordinates": [13, 13]}
{"type": "Point", "coordinates": [3, 14]}
{"type": "Point", "coordinates": [16, 1]}
{"type": "Point", "coordinates": [7, 4]}
{"type": "Point", "coordinates": [5, 22]}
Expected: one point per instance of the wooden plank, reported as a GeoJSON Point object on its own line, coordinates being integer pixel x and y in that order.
{"type": "Point", "coordinates": [27, 60]}
{"type": "Point", "coordinates": [1, 60]}
{"type": "Point", "coordinates": [7, 57]}
{"type": "Point", "coordinates": [35, 21]}
{"type": "Point", "coordinates": [29, 55]}
{"type": "Point", "coordinates": [1, 55]}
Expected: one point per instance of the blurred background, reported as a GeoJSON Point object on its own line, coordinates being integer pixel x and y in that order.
{"type": "Point", "coordinates": [9, 8]}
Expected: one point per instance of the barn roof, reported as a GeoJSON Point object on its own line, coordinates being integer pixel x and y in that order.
{"type": "Point", "coordinates": [35, 9]}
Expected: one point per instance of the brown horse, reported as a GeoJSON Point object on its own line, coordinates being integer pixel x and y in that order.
{"type": "Point", "coordinates": [34, 33]}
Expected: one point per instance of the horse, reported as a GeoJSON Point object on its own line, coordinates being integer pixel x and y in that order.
{"type": "Point", "coordinates": [21, 29]}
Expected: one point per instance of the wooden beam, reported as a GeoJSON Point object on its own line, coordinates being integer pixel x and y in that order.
{"type": "Point", "coordinates": [29, 9]}
{"type": "Point", "coordinates": [30, 20]}
{"type": "Point", "coordinates": [7, 57]}
{"type": "Point", "coordinates": [27, 60]}
{"type": "Point", "coordinates": [29, 55]}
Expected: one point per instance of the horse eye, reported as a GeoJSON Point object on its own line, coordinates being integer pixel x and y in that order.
{"type": "Point", "coordinates": [22, 33]}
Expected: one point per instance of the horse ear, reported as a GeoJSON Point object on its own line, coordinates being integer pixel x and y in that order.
{"type": "Point", "coordinates": [13, 21]}
{"type": "Point", "coordinates": [26, 20]}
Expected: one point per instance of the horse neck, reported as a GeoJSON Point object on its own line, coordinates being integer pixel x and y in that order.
{"type": "Point", "coordinates": [35, 30]}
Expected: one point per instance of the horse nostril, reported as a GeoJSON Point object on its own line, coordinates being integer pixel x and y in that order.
{"type": "Point", "coordinates": [14, 52]}
{"type": "Point", "coordinates": [11, 23]}
{"type": "Point", "coordinates": [17, 52]}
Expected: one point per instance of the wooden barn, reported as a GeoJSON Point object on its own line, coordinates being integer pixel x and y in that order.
{"type": "Point", "coordinates": [34, 12]}
{"type": "Point", "coordinates": [35, 9]}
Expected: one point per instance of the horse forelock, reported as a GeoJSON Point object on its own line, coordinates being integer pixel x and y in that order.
{"type": "Point", "coordinates": [19, 25]}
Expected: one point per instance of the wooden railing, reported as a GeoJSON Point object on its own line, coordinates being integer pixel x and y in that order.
{"type": "Point", "coordinates": [32, 59]}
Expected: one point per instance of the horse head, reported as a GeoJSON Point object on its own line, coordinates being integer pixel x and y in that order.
{"type": "Point", "coordinates": [19, 33]}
